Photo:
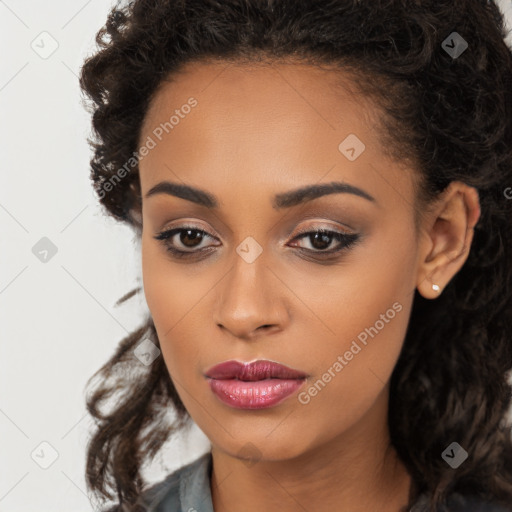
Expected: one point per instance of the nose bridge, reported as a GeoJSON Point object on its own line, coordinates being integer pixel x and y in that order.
{"type": "Point", "coordinates": [249, 297]}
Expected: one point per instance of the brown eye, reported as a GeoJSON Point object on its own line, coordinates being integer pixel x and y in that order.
{"type": "Point", "coordinates": [178, 240]}
{"type": "Point", "coordinates": [321, 239]}
{"type": "Point", "coordinates": [189, 237]}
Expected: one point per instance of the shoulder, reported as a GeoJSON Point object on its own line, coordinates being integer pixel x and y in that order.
{"type": "Point", "coordinates": [164, 496]}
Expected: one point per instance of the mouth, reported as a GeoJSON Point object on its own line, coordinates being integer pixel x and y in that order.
{"type": "Point", "coordinates": [257, 385]}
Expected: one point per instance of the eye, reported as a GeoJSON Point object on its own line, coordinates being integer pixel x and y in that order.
{"type": "Point", "coordinates": [321, 239]}
{"type": "Point", "coordinates": [189, 240]}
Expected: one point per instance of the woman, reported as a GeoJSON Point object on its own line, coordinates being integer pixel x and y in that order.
{"type": "Point", "coordinates": [322, 190]}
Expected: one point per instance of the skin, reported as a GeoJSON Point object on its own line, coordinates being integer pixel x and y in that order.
{"type": "Point", "coordinates": [258, 131]}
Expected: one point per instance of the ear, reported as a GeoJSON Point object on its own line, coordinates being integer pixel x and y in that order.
{"type": "Point", "coordinates": [446, 237]}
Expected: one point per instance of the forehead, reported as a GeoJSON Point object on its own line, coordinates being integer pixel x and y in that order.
{"type": "Point", "coordinates": [261, 124]}
{"type": "Point", "coordinates": [263, 93]}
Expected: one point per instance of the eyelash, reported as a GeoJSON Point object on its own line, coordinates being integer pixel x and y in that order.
{"type": "Point", "coordinates": [347, 240]}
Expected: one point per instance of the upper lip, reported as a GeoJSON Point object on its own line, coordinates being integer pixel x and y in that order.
{"type": "Point", "coordinates": [256, 370]}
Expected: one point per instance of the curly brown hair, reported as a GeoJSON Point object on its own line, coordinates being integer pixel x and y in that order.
{"type": "Point", "coordinates": [452, 116]}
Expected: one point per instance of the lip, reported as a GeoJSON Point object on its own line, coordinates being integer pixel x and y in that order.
{"type": "Point", "coordinates": [256, 370]}
{"type": "Point", "coordinates": [256, 385]}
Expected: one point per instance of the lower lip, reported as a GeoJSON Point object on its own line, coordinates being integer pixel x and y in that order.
{"type": "Point", "coordinates": [257, 394]}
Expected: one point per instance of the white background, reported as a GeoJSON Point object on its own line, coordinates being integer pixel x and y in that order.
{"type": "Point", "coordinates": [59, 320]}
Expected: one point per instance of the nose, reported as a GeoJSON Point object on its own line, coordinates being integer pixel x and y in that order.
{"type": "Point", "coordinates": [251, 301]}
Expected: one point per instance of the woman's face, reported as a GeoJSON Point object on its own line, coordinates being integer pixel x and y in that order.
{"type": "Point", "coordinates": [253, 287]}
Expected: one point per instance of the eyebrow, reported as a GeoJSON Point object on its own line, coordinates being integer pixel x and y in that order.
{"type": "Point", "coordinates": [282, 200]}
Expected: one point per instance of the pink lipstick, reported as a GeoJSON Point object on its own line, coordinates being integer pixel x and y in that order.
{"type": "Point", "coordinates": [255, 385]}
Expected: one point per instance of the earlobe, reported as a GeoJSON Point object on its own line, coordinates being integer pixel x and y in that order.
{"type": "Point", "coordinates": [429, 290]}
{"type": "Point", "coordinates": [449, 236]}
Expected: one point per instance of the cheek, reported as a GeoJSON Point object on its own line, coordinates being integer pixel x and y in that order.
{"type": "Point", "coordinates": [369, 287]}
{"type": "Point", "coordinates": [170, 289]}
{"type": "Point", "coordinates": [353, 366]}
{"type": "Point", "coordinates": [364, 315]}
{"type": "Point", "coordinates": [158, 285]}
{"type": "Point", "coordinates": [174, 298]}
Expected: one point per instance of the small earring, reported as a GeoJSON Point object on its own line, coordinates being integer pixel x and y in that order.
{"type": "Point", "coordinates": [435, 287]}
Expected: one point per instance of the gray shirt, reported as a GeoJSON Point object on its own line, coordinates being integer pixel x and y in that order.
{"type": "Point", "coordinates": [188, 490]}
{"type": "Point", "coordinates": [185, 490]}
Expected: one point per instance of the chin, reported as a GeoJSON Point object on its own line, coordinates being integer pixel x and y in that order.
{"type": "Point", "coordinates": [255, 449]}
